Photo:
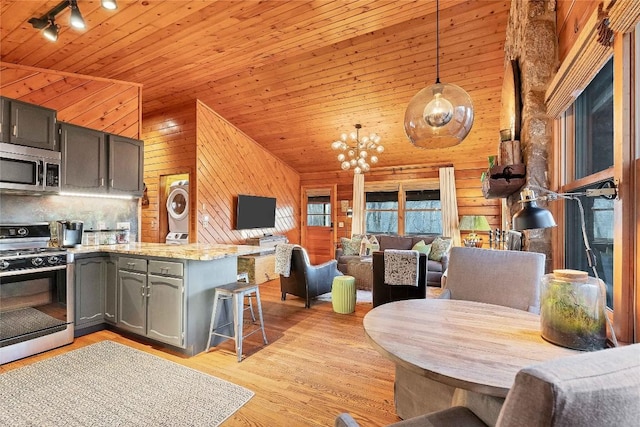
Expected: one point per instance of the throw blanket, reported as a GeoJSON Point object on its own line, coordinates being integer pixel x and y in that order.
{"type": "Point", "coordinates": [283, 258]}
{"type": "Point", "coordinates": [401, 267]}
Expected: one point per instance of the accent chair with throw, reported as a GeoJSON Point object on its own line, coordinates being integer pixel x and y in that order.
{"type": "Point", "coordinates": [506, 278]}
{"type": "Point", "coordinates": [298, 277]}
{"type": "Point", "coordinates": [596, 389]}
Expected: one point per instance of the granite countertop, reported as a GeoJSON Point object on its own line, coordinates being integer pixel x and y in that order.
{"type": "Point", "coordinates": [192, 251]}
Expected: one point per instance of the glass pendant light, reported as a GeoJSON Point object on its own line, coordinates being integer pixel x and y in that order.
{"type": "Point", "coordinates": [440, 115]}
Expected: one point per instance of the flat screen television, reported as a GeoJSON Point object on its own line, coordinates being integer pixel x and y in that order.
{"type": "Point", "coordinates": [255, 212]}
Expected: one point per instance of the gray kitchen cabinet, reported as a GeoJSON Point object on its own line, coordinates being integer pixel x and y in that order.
{"type": "Point", "coordinates": [5, 118]}
{"type": "Point", "coordinates": [132, 295]}
{"type": "Point", "coordinates": [28, 124]}
{"type": "Point", "coordinates": [84, 159]}
{"type": "Point", "coordinates": [111, 291]}
{"type": "Point", "coordinates": [96, 162]}
{"type": "Point", "coordinates": [165, 309]}
{"type": "Point", "coordinates": [90, 276]}
{"type": "Point", "coordinates": [126, 159]}
{"type": "Point", "coordinates": [151, 299]}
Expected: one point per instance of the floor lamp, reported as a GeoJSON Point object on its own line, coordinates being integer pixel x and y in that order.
{"type": "Point", "coordinates": [530, 216]}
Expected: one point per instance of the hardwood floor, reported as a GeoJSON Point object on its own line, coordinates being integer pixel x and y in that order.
{"type": "Point", "coordinates": [317, 364]}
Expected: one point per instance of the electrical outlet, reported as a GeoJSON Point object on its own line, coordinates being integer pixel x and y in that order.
{"type": "Point", "coordinates": [123, 226]}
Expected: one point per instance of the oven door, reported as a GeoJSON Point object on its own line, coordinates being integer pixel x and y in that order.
{"type": "Point", "coordinates": [36, 312]}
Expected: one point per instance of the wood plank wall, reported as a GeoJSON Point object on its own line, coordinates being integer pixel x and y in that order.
{"type": "Point", "coordinates": [468, 188]}
{"type": "Point", "coordinates": [571, 16]}
{"type": "Point", "coordinates": [222, 162]}
{"type": "Point", "coordinates": [103, 104]}
{"type": "Point", "coordinates": [230, 163]}
{"type": "Point", "coordinates": [169, 149]}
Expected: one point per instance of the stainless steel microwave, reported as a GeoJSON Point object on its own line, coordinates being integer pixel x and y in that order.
{"type": "Point", "coordinates": [29, 170]}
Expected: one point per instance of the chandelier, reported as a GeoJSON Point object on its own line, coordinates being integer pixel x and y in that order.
{"type": "Point", "coordinates": [440, 115]}
{"type": "Point", "coordinates": [358, 153]}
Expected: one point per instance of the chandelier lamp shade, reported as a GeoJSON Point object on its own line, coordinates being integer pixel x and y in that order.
{"type": "Point", "coordinates": [358, 153]}
{"type": "Point", "coordinates": [440, 115]}
{"type": "Point", "coordinates": [47, 22]}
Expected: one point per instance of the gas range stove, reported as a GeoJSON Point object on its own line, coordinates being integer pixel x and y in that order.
{"type": "Point", "coordinates": [24, 249]}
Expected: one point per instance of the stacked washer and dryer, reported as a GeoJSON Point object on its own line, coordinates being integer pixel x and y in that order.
{"type": "Point", "coordinates": [178, 212]}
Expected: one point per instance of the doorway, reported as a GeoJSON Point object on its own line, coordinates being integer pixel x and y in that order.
{"type": "Point", "coordinates": [318, 215]}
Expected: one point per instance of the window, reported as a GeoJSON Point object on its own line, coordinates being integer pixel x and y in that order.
{"type": "Point", "coordinates": [318, 211]}
{"type": "Point", "coordinates": [594, 125]}
{"type": "Point", "coordinates": [381, 212]}
{"type": "Point", "coordinates": [589, 149]}
{"type": "Point", "coordinates": [423, 212]}
{"type": "Point", "coordinates": [598, 215]}
{"type": "Point", "coordinates": [403, 211]}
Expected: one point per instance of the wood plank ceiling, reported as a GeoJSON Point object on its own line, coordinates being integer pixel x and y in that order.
{"type": "Point", "coordinates": [292, 75]}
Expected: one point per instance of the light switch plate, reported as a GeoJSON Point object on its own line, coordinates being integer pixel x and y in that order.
{"type": "Point", "coordinates": [123, 226]}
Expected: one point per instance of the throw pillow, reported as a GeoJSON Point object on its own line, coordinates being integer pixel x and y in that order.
{"type": "Point", "coordinates": [350, 246]}
{"type": "Point", "coordinates": [439, 248]}
{"type": "Point", "coordinates": [422, 247]}
{"type": "Point", "coordinates": [365, 247]}
{"type": "Point", "coordinates": [375, 246]}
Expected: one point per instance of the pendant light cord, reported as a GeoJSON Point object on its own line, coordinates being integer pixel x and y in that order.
{"type": "Point", "coordinates": [437, 41]}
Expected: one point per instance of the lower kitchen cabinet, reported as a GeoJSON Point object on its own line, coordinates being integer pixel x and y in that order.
{"type": "Point", "coordinates": [132, 298]}
{"type": "Point", "coordinates": [150, 303]}
{"type": "Point", "coordinates": [111, 291]}
{"type": "Point", "coordinates": [164, 309]}
{"type": "Point", "coordinates": [90, 279]}
{"type": "Point", "coordinates": [168, 300]}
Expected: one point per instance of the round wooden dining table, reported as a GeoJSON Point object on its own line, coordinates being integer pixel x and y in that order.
{"type": "Point", "coordinates": [470, 345]}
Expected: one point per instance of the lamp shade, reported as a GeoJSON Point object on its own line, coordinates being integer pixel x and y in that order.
{"type": "Point", "coordinates": [439, 116]}
{"type": "Point", "coordinates": [532, 216]}
{"type": "Point", "coordinates": [474, 223]}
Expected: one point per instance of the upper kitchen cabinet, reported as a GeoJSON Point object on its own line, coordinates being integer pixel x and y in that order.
{"type": "Point", "coordinates": [95, 162]}
{"type": "Point", "coordinates": [27, 124]}
{"type": "Point", "coordinates": [84, 159]}
{"type": "Point", "coordinates": [126, 160]}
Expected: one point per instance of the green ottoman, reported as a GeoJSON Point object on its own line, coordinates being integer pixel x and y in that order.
{"type": "Point", "coordinates": [343, 294]}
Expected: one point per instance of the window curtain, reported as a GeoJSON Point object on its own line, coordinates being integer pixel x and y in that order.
{"type": "Point", "coordinates": [357, 221]}
{"type": "Point", "coordinates": [449, 203]}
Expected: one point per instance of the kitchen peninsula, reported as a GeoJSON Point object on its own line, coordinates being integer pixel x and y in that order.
{"type": "Point", "coordinates": [157, 291]}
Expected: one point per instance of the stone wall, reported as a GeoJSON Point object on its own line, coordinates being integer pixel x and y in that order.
{"type": "Point", "coordinates": [531, 40]}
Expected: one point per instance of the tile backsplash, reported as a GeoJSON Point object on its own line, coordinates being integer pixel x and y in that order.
{"type": "Point", "coordinates": [91, 210]}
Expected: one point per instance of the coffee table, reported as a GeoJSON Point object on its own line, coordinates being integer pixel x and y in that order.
{"type": "Point", "coordinates": [465, 344]}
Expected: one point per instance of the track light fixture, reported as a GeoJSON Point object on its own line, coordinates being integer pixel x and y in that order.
{"type": "Point", "coordinates": [109, 4]}
{"type": "Point", "coordinates": [51, 32]}
{"type": "Point", "coordinates": [47, 23]}
{"type": "Point", "coordinates": [75, 19]}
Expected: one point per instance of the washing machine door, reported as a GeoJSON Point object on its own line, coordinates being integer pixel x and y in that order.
{"type": "Point", "coordinates": [178, 203]}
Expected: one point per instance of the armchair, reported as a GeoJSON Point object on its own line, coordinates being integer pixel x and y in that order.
{"type": "Point", "coordinates": [305, 280]}
{"type": "Point", "coordinates": [600, 388]}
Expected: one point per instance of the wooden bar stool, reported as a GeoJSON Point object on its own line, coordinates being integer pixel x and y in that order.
{"type": "Point", "coordinates": [236, 292]}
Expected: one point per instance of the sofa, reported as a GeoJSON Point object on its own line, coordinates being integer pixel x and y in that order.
{"type": "Point", "coordinates": [434, 268]}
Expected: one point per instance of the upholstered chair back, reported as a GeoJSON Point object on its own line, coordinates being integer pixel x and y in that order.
{"type": "Point", "coordinates": [507, 278]}
{"type": "Point", "coordinates": [601, 388]}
